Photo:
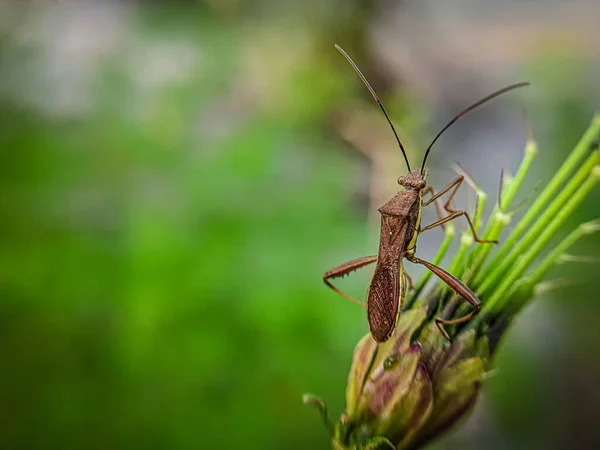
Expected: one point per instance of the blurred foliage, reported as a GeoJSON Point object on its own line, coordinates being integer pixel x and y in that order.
{"type": "Point", "coordinates": [162, 255]}
{"type": "Point", "coordinates": [162, 241]}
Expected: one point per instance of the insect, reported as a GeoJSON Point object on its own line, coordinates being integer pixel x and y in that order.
{"type": "Point", "coordinates": [400, 228]}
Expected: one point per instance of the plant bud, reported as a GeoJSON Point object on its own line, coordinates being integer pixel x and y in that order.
{"type": "Point", "coordinates": [409, 389]}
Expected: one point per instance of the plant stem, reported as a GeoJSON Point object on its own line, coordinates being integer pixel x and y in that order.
{"type": "Point", "coordinates": [545, 197]}
{"type": "Point", "coordinates": [534, 248]}
{"type": "Point", "coordinates": [502, 262]}
{"type": "Point", "coordinates": [499, 218]}
{"type": "Point", "coordinates": [554, 256]}
{"type": "Point", "coordinates": [448, 237]}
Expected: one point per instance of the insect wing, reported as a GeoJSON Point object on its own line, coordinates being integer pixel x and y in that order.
{"type": "Point", "coordinates": [383, 301]}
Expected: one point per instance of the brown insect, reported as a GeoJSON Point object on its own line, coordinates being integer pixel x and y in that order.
{"type": "Point", "coordinates": [400, 227]}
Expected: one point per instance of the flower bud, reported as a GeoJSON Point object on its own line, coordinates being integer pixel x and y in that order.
{"type": "Point", "coordinates": [409, 389]}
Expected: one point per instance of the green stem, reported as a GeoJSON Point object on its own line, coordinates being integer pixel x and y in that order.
{"type": "Point", "coordinates": [526, 287]}
{"type": "Point", "coordinates": [481, 253]}
{"type": "Point", "coordinates": [458, 263]}
{"type": "Point", "coordinates": [554, 256]}
{"type": "Point", "coordinates": [461, 259]}
{"type": "Point", "coordinates": [449, 236]}
{"type": "Point", "coordinates": [514, 247]}
{"type": "Point", "coordinates": [536, 247]}
{"type": "Point", "coordinates": [513, 187]}
{"type": "Point", "coordinates": [464, 263]}
{"type": "Point", "coordinates": [481, 198]}
{"type": "Point", "coordinates": [499, 218]}
{"type": "Point", "coordinates": [545, 197]}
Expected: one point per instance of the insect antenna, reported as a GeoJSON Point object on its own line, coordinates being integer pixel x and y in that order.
{"type": "Point", "coordinates": [471, 108]}
{"type": "Point", "coordinates": [372, 91]}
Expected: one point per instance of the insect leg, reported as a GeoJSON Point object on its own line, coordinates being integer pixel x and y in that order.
{"type": "Point", "coordinates": [455, 284]}
{"type": "Point", "coordinates": [453, 213]}
{"type": "Point", "coordinates": [438, 209]}
{"type": "Point", "coordinates": [345, 269]}
{"type": "Point", "coordinates": [453, 184]}
{"type": "Point", "coordinates": [411, 284]}
{"type": "Point", "coordinates": [453, 216]}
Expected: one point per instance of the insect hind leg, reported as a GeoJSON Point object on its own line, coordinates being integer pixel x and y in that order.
{"type": "Point", "coordinates": [458, 286]}
{"type": "Point", "coordinates": [439, 322]}
{"type": "Point", "coordinates": [345, 269]}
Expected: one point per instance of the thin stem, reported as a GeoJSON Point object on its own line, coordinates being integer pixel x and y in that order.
{"type": "Point", "coordinates": [462, 258]}
{"type": "Point", "coordinates": [514, 247]}
{"type": "Point", "coordinates": [460, 262]}
{"type": "Point", "coordinates": [545, 197]}
{"type": "Point", "coordinates": [555, 255]}
{"type": "Point", "coordinates": [457, 266]}
{"type": "Point", "coordinates": [480, 254]}
{"type": "Point", "coordinates": [513, 187]}
{"type": "Point", "coordinates": [499, 218]}
{"type": "Point", "coordinates": [449, 236]}
{"type": "Point", "coordinates": [481, 198]}
{"type": "Point", "coordinates": [534, 249]}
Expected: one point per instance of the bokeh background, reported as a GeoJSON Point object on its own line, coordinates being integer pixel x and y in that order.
{"type": "Point", "coordinates": [177, 176]}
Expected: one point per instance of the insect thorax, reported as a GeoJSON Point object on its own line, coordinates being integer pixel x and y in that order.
{"type": "Point", "coordinates": [400, 221]}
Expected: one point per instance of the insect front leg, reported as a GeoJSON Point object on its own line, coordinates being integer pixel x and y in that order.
{"type": "Point", "coordinates": [458, 287]}
{"type": "Point", "coordinates": [438, 208]}
{"type": "Point", "coordinates": [454, 185]}
{"type": "Point", "coordinates": [345, 269]}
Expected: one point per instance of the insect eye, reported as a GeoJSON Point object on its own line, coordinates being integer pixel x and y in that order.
{"type": "Point", "coordinates": [422, 184]}
{"type": "Point", "coordinates": [401, 181]}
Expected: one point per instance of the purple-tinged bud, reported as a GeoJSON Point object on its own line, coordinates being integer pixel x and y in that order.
{"type": "Point", "coordinates": [409, 389]}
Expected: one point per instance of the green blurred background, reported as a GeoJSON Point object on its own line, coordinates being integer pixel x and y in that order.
{"type": "Point", "coordinates": [177, 176]}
